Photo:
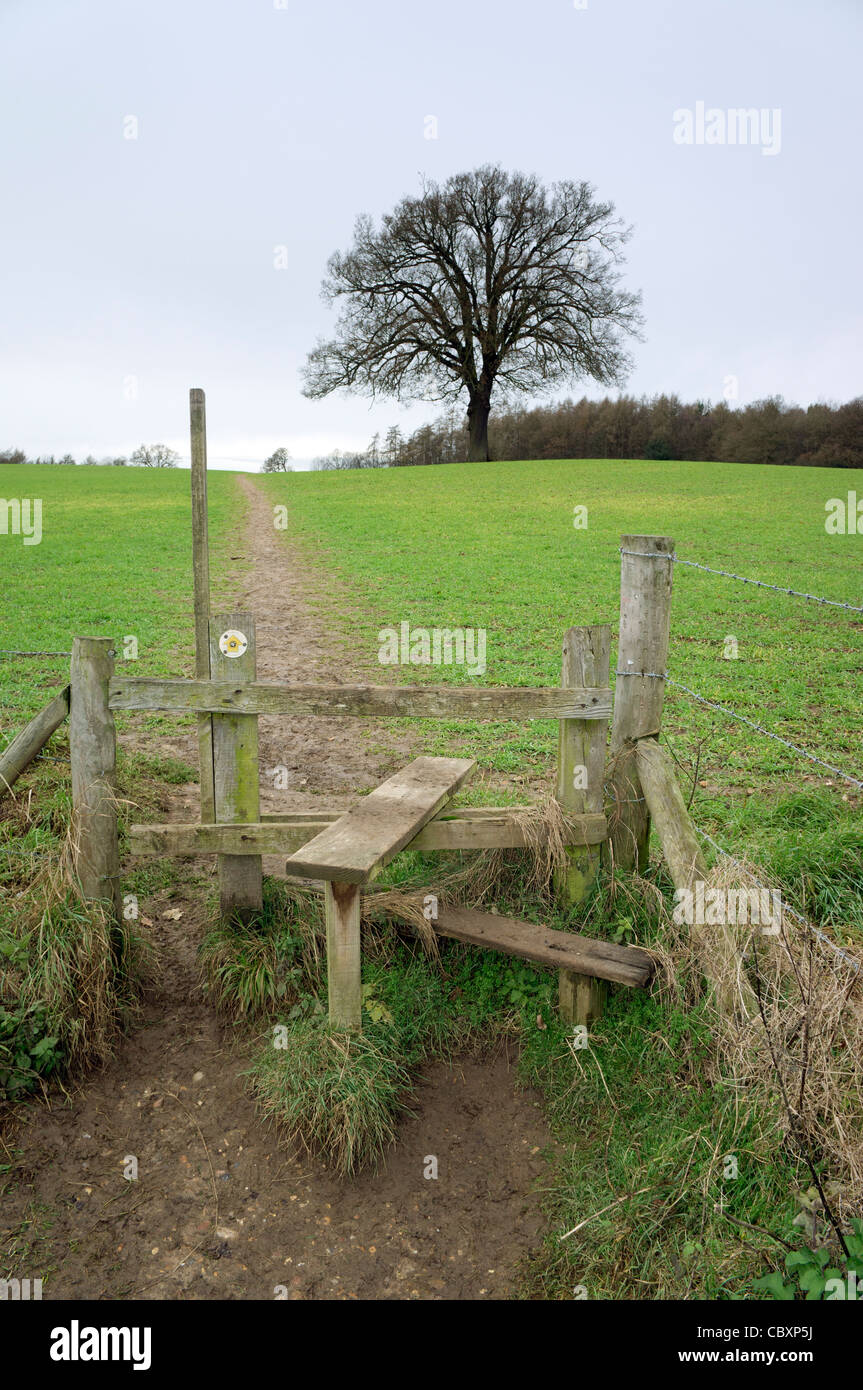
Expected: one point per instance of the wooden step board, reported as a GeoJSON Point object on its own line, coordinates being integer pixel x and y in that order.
{"type": "Point", "coordinates": [355, 847]}
{"type": "Point", "coordinates": [626, 965]}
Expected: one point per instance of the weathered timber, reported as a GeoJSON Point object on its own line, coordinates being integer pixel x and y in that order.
{"type": "Point", "coordinates": [344, 960]}
{"type": "Point", "coordinates": [235, 771]}
{"type": "Point", "coordinates": [367, 837]}
{"type": "Point", "coordinates": [361, 701]}
{"type": "Point", "coordinates": [25, 745]}
{"type": "Point", "coordinates": [285, 835]}
{"type": "Point", "coordinates": [626, 965]}
{"type": "Point", "coordinates": [642, 654]}
{"type": "Point", "coordinates": [671, 818]}
{"type": "Point", "coordinates": [201, 568]}
{"type": "Point", "coordinates": [93, 755]}
{"type": "Point", "coordinates": [716, 941]}
{"type": "Point", "coordinates": [580, 781]}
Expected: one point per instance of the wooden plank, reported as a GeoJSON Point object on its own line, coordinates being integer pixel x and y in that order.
{"type": "Point", "coordinates": [580, 783]}
{"type": "Point", "coordinates": [93, 755]}
{"type": "Point", "coordinates": [201, 568]}
{"type": "Point", "coordinates": [235, 769]}
{"type": "Point", "coordinates": [687, 866]}
{"type": "Point", "coordinates": [361, 701]}
{"type": "Point", "coordinates": [277, 835]}
{"type": "Point", "coordinates": [645, 617]}
{"type": "Point", "coordinates": [668, 809]}
{"type": "Point", "coordinates": [342, 903]}
{"type": "Point", "coordinates": [626, 965]}
{"type": "Point", "coordinates": [367, 837]}
{"type": "Point", "coordinates": [25, 745]}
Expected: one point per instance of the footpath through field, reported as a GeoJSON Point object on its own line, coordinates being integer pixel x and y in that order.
{"type": "Point", "coordinates": [219, 1209]}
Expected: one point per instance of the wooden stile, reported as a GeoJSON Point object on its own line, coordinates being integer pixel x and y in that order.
{"type": "Point", "coordinates": [235, 769]}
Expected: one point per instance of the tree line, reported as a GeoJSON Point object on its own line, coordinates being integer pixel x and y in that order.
{"type": "Point", "coordinates": [658, 427]}
{"type": "Point", "coordinates": [145, 456]}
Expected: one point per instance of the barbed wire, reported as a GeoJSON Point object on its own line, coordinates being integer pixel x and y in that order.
{"type": "Point", "coordinates": [759, 728]}
{"type": "Point", "coordinates": [5, 651]}
{"type": "Point", "coordinates": [727, 574]}
{"type": "Point", "coordinates": [810, 926]}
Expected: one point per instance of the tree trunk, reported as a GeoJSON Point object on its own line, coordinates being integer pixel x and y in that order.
{"type": "Point", "coordinates": [477, 420]}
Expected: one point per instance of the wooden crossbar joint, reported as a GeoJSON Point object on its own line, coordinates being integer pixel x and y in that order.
{"type": "Point", "coordinates": [356, 846]}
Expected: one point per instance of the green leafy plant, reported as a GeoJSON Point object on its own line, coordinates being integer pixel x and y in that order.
{"type": "Point", "coordinates": [521, 984]}
{"type": "Point", "coordinates": [374, 1007]}
{"type": "Point", "coordinates": [811, 1274]}
{"type": "Point", "coordinates": [26, 1051]}
{"type": "Point", "coordinates": [624, 931]}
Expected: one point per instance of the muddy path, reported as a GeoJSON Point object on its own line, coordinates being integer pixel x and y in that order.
{"type": "Point", "coordinates": [220, 1209]}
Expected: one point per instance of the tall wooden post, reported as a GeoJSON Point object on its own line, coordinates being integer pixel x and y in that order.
{"type": "Point", "coordinates": [642, 653]}
{"type": "Point", "coordinates": [580, 778]}
{"type": "Point", "coordinates": [344, 964]}
{"type": "Point", "coordinates": [235, 763]}
{"type": "Point", "coordinates": [93, 753]}
{"type": "Point", "coordinates": [201, 566]}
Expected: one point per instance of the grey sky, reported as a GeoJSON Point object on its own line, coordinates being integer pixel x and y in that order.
{"type": "Point", "coordinates": [135, 268]}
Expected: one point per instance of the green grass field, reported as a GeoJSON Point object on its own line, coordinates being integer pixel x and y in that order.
{"type": "Point", "coordinates": [114, 560]}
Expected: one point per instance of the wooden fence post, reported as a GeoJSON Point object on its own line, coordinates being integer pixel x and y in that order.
{"type": "Point", "coordinates": [20, 753]}
{"type": "Point", "coordinates": [580, 778]}
{"type": "Point", "coordinates": [235, 763]}
{"type": "Point", "coordinates": [645, 617]}
{"type": "Point", "coordinates": [201, 567]}
{"type": "Point", "coordinates": [93, 754]}
{"type": "Point", "coordinates": [344, 962]}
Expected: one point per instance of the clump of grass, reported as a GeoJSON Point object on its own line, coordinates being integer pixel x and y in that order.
{"type": "Point", "coordinates": [338, 1094]}
{"type": "Point", "coordinates": [273, 961]}
{"type": "Point", "coordinates": [68, 962]}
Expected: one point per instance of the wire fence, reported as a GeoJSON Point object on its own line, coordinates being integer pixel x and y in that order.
{"type": "Point", "coordinates": [849, 777]}
{"type": "Point", "coordinates": [743, 579]}
{"type": "Point", "coordinates": [7, 652]}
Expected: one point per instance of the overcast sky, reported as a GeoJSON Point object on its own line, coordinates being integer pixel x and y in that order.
{"type": "Point", "coordinates": [135, 268]}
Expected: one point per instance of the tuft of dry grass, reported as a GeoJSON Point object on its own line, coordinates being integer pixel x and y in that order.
{"type": "Point", "coordinates": [787, 1023]}
{"type": "Point", "coordinates": [82, 966]}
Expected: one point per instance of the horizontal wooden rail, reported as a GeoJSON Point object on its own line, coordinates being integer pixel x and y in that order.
{"type": "Point", "coordinates": [24, 747]}
{"type": "Point", "coordinates": [627, 965]}
{"type": "Point", "coordinates": [480, 828]}
{"type": "Point", "coordinates": [374, 701]}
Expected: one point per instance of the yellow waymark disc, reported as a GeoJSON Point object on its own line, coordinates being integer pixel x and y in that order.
{"type": "Point", "coordinates": [233, 643]}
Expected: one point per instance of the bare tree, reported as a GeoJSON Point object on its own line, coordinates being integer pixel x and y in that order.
{"type": "Point", "coordinates": [278, 462]}
{"type": "Point", "coordinates": [154, 456]}
{"type": "Point", "coordinates": [490, 281]}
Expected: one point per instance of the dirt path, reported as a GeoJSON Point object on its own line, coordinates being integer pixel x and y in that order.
{"type": "Point", "coordinates": [219, 1209]}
